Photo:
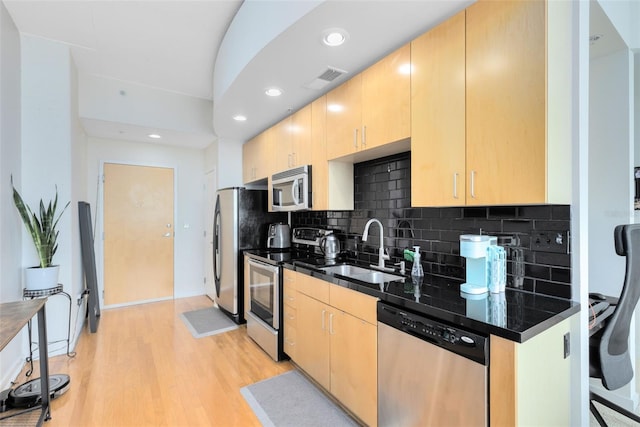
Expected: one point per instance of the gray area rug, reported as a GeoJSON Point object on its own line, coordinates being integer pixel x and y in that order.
{"type": "Point", "coordinates": [207, 321]}
{"type": "Point", "coordinates": [612, 418]}
{"type": "Point", "coordinates": [290, 399]}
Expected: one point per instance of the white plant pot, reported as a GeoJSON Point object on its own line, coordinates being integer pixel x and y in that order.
{"type": "Point", "coordinates": [38, 278]}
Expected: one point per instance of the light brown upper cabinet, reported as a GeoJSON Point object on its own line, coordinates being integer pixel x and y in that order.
{"type": "Point", "coordinates": [480, 101]}
{"type": "Point", "coordinates": [438, 142]}
{"type": "Point", "coordinates": [258, 157]}
{"type": "Point", "coordinates": [506, 100]}
{"type": "Point", "coordinates": [293, 140]}
{"type": "Point", "coordinates": [332, 181]}
{"type": "Point", "coordinates": [372, 108]}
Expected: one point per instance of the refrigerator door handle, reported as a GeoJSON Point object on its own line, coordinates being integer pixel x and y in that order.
{"type": "Point", "coordinates": [216, 246]}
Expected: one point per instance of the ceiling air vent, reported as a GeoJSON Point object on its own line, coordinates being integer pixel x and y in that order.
{"type": "Point", "coordinates": [329, 75]}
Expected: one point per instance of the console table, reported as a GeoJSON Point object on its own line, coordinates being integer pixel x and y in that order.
{"type": "Point", "coordinates": [13, 317]}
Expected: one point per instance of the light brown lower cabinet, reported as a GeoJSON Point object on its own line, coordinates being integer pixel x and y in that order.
{"type": "Point", "coordinates": [337, 349]}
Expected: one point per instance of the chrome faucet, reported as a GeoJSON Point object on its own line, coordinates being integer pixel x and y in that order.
{"type": "Point", "coordinates": [382, 256]}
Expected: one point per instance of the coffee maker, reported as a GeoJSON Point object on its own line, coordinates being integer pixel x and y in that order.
{"type": "Point", "coordinates": [474, 248]}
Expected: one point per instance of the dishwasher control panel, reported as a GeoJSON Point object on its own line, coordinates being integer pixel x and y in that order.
{"type": "Point", "coordinates": [468, 344]}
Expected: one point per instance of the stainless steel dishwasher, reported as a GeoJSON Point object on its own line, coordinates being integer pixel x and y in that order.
{"type": "Point", "coordinates": [429, 373]}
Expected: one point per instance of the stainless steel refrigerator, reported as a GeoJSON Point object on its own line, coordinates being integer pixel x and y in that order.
{"type": "Point", "coordinates": [240, 222]}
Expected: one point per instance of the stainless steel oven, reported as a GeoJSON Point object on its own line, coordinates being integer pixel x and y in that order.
{"type": "Point", "coordinates": [264, 283]}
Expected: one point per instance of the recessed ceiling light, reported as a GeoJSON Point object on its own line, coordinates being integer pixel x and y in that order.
{"type": "Point", "coordinates": [334, 36]}
{"type": "Point", "coordinates": [154, 136]}
{"type": "Point", "coordinates": [240, 118]}
{"type": "Point", "coordinates": [273, 91]}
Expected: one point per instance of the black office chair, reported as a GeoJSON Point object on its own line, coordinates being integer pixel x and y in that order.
{"type": "Point", "coordinates": [609, 357]}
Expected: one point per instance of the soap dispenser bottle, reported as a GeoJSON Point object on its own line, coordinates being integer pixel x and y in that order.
{"type": "Point", "coordinates": [416, 270]}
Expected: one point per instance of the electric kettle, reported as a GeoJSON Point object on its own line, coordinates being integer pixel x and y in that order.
{"type": "Point", "coordinates": [330, 246]}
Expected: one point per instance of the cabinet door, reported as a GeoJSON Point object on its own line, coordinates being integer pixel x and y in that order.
{"type": "Point", "coordinates": [312, 352]}
{"type": "Point", "coordinates": [386, 100]}
{"type": "Point", "coordinates": [344, 118]}
{"type": "Point", "coordinates": [290, 316]}
{"type": "Point", "coordinates": [248, 160]}
{"type": "Point", "coordinates": [282, 144]}
{"type": "Point", "coordinates": [354, 365]}
{"type": "Point", "coordinates": [506, 70]}
{"type": "Point", "coordinates": [319, 164]}
{"type": "Point", "coordinates": [300, 129]}
{"type": "Point", "coordinates": [438, 115]}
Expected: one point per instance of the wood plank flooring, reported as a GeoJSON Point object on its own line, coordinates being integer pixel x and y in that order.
{"type": "Point", "coordinates": [144, 368]}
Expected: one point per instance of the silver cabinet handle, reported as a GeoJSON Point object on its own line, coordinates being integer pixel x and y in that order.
{"type": "Point", "coordinates": [323, 312]}
{"type": "Point", "coordinates": [364, 136]}
{"type": "Point", "coordinates": [331, 324]}
{"type": "Point", "coordinates": [166, 235]}
{"type": "Point", "coordinates": [473, 184]}
{"type": "Point", "coordinates": [355, 138]}
{"type": "Point", "coordinates": [455, 185]}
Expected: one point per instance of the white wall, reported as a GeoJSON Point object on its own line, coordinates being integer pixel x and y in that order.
{"type": "Point", "coordinates": [10, 223]}
{"type": "Point", "coordinates": [229, 163]}
{"type": "Point", "coordinates": [610, 190]}
{"type": "Point", "coordinates": [610, 166]}
{"type": "Point", "coordinates": [189, 221]}
{"type": "Point", "coordinates": [51, 141]}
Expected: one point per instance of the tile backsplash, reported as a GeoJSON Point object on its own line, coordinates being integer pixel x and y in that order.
{"type": "Point", "coordinates": [383, 191]}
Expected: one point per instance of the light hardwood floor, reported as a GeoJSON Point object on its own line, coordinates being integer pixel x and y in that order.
{"type": "Point", "coordinates": [144, 368]}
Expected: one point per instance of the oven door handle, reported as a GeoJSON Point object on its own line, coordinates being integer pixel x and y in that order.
{"type": "Point", "coordinates": [272, 268]}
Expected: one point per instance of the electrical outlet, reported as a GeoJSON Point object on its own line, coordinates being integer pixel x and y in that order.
{"type": "Point", "coordinates": [550, 241]}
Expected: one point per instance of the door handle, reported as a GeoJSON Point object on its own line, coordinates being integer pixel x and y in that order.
{"type": "Point", "coordinates": [166, 235]}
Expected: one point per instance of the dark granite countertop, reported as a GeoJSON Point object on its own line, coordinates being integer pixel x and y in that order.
{"type": "Point", "coordinates": [515, 314]}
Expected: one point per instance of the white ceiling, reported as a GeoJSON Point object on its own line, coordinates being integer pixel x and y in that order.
{"type": "Point", "coordinates": [172, 45]}
{"type": "Point", "coordinates": [608, 39]}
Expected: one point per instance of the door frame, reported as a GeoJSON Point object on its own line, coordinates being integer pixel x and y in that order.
{"type": "Point", "coordinates": [99, 226]}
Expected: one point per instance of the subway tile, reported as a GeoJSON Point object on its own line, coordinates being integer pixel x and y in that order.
{"type": "Point", "coordinates": [561, 212]}
{"type": "Point", "coordinates": [537, 271]}
{"type": "Point", "coordinates": [551, 258]}
{"type": "Point", "coordinates": [439, 246]}
{"type": "Point", "coordinates": [552, 225]}
{"type": "Point", "coordinates": [429, 212]}
{"type": "Point", "coordinates": [561, 275]}
{"type": "Point", "coordinates": [474, 212]}
{"type": "Point", "coordinates": [451, 212]}
{"type": "Point", "coordinates": [488, 226]}
{"type": "Point", "coordinates": [535, 212]}
{"type": "Point", "coordinates": [397, 174]}
{"type": "Point", "coordinates": [428, 234]}
{"type": "Point", "coordinates": [498, 212]}
{"type": "Point", "coordinates": [553, 289]}
{"type": "Point", "coordinates": [523, 226]}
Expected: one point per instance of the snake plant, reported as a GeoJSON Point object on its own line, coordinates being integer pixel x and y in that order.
{"type": "Point", "coordinates": [42, 228]}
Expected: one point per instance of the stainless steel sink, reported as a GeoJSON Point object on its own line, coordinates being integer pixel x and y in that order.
{"type": "Point", "coordinates": [346, 270]}
{"type": "Point", "coordinates": [360, 273]}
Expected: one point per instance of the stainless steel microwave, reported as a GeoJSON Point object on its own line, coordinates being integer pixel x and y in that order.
{"type": "Point", "coordinates": [291, 189]}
